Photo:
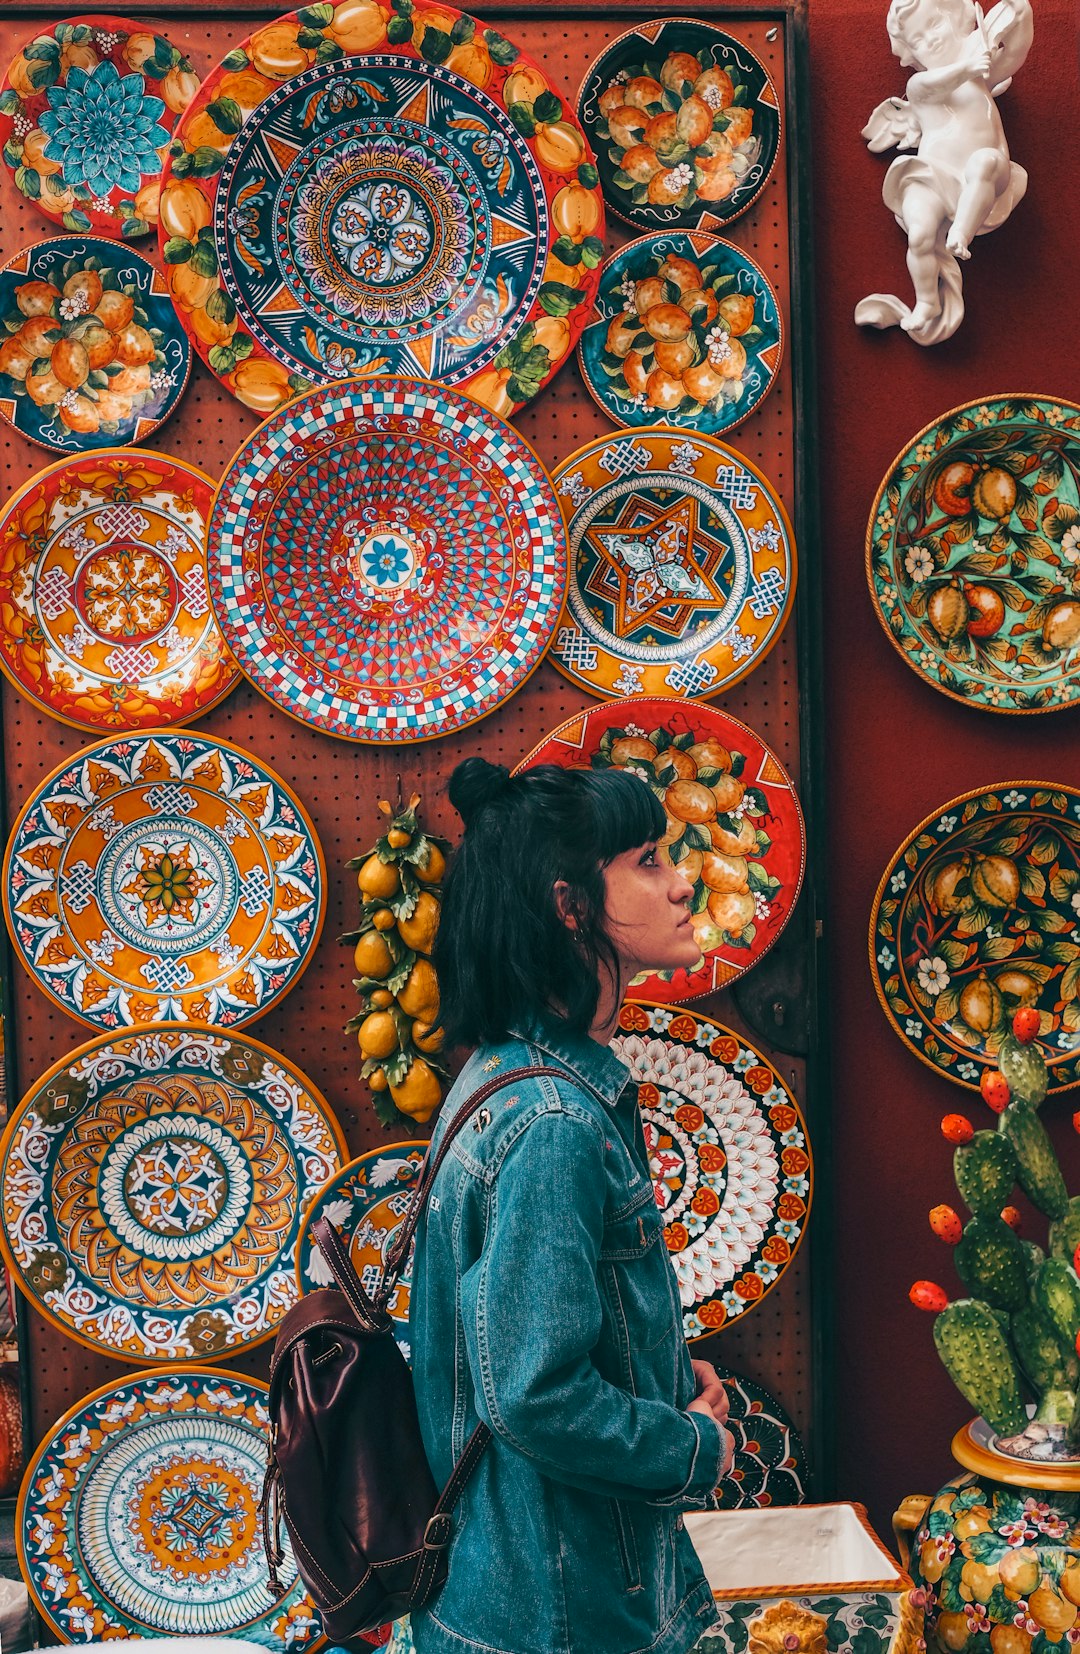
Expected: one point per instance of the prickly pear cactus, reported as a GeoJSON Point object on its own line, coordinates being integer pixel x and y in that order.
{"type": "Point", "coordinates": [998, 1570]}
{"type": "Point", "coordinates": [1011, 1345]}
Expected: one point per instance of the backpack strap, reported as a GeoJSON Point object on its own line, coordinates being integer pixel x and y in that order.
{"type": "Point", "coordinates": [370, 1317]}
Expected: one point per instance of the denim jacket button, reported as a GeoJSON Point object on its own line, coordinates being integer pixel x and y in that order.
{"type": "Point", "coordinates": [679, 1523]}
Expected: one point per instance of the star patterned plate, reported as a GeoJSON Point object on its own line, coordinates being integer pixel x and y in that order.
{"type": "Point", "coordinates": [735, 829]}
{"type": "Point", "coordinates": [687, 329]}
{"type": "Point", "coordinates": [138, 1516]}
{"type": "Point", "coordinates": [168, 876]}
{"type": "Point", "coordinates": [152, 1186]}
{"type": "Point", "coordinates": [395, 189]}
{"type": "Point", "coordinates": [770, 1461]}
{"type": "Point", "coordinates": [105, 617]}
{"type": "Point", "coordinates": [685, 121]}
{"type": "Point", "coordinates": [973, 554]}
{"type": "Point", "coordinates": [387, 560]}
{"type": "Point", "coordinates": [729, 1157]}
{"type": "Point", "coordinates": [365, 1201]}
{"type": "Point", "coordinates": [94, 356]}
{"type": "Point", "coordinates": [86, 110]}
{"type": "Point", "coordinates": [682, 565]}
{"type": "Point", "coordinates": [978, 913]}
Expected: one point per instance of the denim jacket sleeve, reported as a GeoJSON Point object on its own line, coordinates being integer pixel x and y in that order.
{"type": "Point", "coordinates": [532, 1314]}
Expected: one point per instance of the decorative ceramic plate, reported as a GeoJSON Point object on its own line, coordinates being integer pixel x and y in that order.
{"type": "Point", "coordinates": [735, 828]}
{"type": "Point", "coordinates": [976, 914]}
{"type": "Point", "coordinates": [370, 189]}
{"type": "Point", "coordinates": [138, 1515]}
{"type": "Point", "coordinates": [682, 565]}
{"type": "Point", "coordinates": [86, 110]}
{"type": "Point", "coordinates": [685, 122]}
{"type": "Point", "coordinates": [366, 1201]}
{"type": "Point", "coordinates": [166, 876]}
{"type": "Point", "coordinates": [152, 1187]}
{"type": "Point", "coordinates": [387, 560]}
{"type": "Point", "coordinates": [687, 329]}
{"type": "Point", "coordinates": [973, 554]}
{"type": "Point", "coordinates": [729, 1158]}
{"type": "Point", "coordinates": [105, 617]}
{"type": "Point", "coordinates": [770, 1461]}
{"type": "Point", "coordinates": [94, 356]}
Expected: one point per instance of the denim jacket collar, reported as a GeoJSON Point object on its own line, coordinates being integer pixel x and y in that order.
{"type": "Point", "coordinates": [596, 1066]}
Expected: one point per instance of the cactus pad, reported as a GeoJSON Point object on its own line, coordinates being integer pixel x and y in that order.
{"type": "Point", "coordinates": [1065, 1231]}
{"type": "Point", "coordinates": [980, 1363]}
{"type": "Point", "coordinates": [991, 1263]}
{"type": "Point", "coordinates": [1025, 1070]}
{"type": "Point", "coordinates": [1057, 1295]}
{"type": "Point", "coordinates": [985, 1171]}
{"type": "Point", "coordinates": [1037, 1168]}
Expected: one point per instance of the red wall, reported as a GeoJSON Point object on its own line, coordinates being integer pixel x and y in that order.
{"type": "Point", "coordinates": [897, 748]}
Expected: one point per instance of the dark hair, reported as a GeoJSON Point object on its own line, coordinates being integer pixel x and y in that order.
{"type": "Point", "coordinates": [503, 949]}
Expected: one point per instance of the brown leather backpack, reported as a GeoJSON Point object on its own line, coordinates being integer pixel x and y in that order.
{"type": "Point", "coordinates": [346, 1467]}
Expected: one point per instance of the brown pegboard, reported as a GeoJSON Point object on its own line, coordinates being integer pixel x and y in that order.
{"type": "Point", "coordinates": [340, 782]}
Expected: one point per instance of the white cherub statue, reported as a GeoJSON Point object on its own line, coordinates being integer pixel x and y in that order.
{"type": "Point", "coordinates": [961, 182]}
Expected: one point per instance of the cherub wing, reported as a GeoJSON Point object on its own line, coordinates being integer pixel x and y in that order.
{"type": "Point", "coordinates": [894, 124]}
{"type": "Point", "coordinates": [1009, 28]}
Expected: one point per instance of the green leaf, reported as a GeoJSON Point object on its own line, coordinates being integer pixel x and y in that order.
{"type": "Point", "coordinates": [10, 102]}
{"type": "Point", "coordinates": [988, 1547]}
{"type": "Point", "coordinates": [436, 45]}
{"type": "Point", "coordinates": [133, 228]}
{"type": "Point", "coordinates": [183, 165]}
{"type": "Point", "coordinates": [587, 175]}
{"type": "Point", "coordinates": [592, 251]}
{"type": "Point", "coordinates": [242, 346]}
{"type": "Point", "coordinates": [557, 299]}
{"type": "Point", "coordinates": [29, 182]}
{"type": "Point", "coordinates": [399, 31]}
{"type": "Point", "coordinates": [204, 259]}
{"type": "Point", "coordinates": [42, 50]}
{"type": "Point", "coordinates": [316, 17]}
{"type": "Point", "coordinates": [696, 837]}
{"type": "Point", "coordinates": [463, 30]}
{"type": "Point", "coordinates": [328, 51]}
{"type": "Point", "coordinates": [220, 307]}
{"type": "Point", "coordinates": [222, 359]}
{"type": "Point", "coordinates": [226, 115]}
{"type": "Point", "coordinates": [567, 251]}
{"type": "Point", "coordinates": [522, 117]}
{"type": "Point", "coordinates": [205, 161]}
{"type": "Point", "coordinates": [44, 74]}
{"type": "Point", "coordinates": [502, 52]}
{"type": "Point", "coordinates": [177, 250]}
{"type": "Point", "coordinates": [238, 58]}
{"type": "Point", "coordinates": [548, 107]}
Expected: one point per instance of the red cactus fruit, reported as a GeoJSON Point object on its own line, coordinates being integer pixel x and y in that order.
{"type": "Point", "coordinates": [1076, 1258]}
{"type": "Point", "coordinates": [1078, 1343]}
{"type": "Point", "coordinates": [957, 1128]}
{"type": "Point", "coordinates": [995, 1089]}
{"type": "Point", "coordinates": [946, 1225]}
{"type": "Point", "coordinates": [929, 1296]}
{"type": "Point", "coordinates": [1025, 1024]}
{"type": "Point", "coordinates": [1076, 1120]}
{"type": "Point", "coordinates": [1011, 1216]}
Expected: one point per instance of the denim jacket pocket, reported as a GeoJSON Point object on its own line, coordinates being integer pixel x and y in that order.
{"type": "Point", "coordinates": [633, 1269]}
{"type": "Point", "coordinates": [627, 1545]}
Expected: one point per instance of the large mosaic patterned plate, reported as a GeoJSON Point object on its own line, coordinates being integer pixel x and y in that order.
{"type": "Point", "coordinates": [687, 329]}
{"type": "Point", "coordinates": [770, 1465]}
{"type": "Point", "coordinates": [685, 122]}
{"type": "Point", "coordinates": [365, 1201]}
{"type": "Point", "coordinates": [368, 189]}
{"type": "Point", "coordinates": [973, 554]}
{"type": "Point", "coordinates": [387, 560]}
{"type": "Point", "coordinates": [105, 617]}
{"type": "Point", "coordinates": [735, 829]}
{"type": "Point", "coordinates": [682, 565]}
{"type": "Point", "coordinates": [86, 109]}
{"type": "Point", "coordinates": [93, 355]}
{"type": "Point", "coordinates": [729, 1158]}
{"type": "Point", "coordinates": [978, 913]}
{"type": "Point", "coordinates": [152, 1186]}
{"type": "Point", "coordinates": [138, 1516]}
{"type": "Point", "coordinates": [167, 876]}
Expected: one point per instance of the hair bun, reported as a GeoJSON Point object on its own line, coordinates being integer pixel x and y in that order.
{"type": "Point", "coordinates": [475, 784]}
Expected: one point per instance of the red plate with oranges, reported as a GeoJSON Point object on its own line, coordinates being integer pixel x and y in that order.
{"type": "Point", "coordinates": [735, 828]}
{"type": "Point", "coordinates": [973, 554]}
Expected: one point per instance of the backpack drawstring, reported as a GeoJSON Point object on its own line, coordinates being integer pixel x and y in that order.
{"type": "Point", "coordinates": [270, 1512]}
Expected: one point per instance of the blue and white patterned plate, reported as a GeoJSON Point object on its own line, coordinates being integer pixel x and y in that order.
{"type": "Point", "coordinates": [164, 877]}
{"type": "Point", "coordinates": [138, 1516]}
{"type": "Point", "coordinates": [387, 560]}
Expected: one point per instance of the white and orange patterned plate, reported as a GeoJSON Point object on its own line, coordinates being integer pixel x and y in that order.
{"type": "Point", "coordinates": [105, 616]}
{"type": "Point", "coordinates": [735, 828]}
{"type": "Point", "coordinates": [167, 876]}
{"type": "Point", "coordinates": [152, 1186]}
{"type": "Point", "coordinates": [729, 1157]}
{"type": "Point", "coordinates": [138, 1516]}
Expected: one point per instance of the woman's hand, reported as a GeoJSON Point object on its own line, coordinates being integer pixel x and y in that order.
{"type": "Point", "coordinates": [712, 1399]}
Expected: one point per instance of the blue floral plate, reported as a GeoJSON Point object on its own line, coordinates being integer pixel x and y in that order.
{"type": "Point", "coordinates": [92, 354]}
{"type": "Point", "coordinates": [687, 330]}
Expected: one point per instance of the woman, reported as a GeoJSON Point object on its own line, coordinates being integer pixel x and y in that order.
{"type": "Point", "coordinates": [543, 1299]}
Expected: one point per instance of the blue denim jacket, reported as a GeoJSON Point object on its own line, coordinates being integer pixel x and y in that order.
{"type": "Point", "coordinates": [544, 1303]}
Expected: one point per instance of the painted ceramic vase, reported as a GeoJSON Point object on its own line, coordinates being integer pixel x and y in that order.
{"type": "Point", "coordinates": [973, 554]}
{"type": "Point", "coordinates": [977, 914]}
{"type": "Point", "coordinates": [86, 110]}
{"type": "Point", "coordinates": [361, 188]}
{"type": "Point", "coordinates": [685, 122]}
{"type": "Point", "coordinates": [687, 330]}
{"type": "Point", "coordinates": [94, 356]}
{"type": "Point", "coordinates": [105, 616]}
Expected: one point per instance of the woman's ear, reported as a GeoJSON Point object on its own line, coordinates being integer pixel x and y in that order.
{"type": "Point", "coordinates": [562, 905]}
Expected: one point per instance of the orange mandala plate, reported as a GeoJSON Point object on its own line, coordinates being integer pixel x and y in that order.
{"type": "Point", "coordinates": [164, 877]}
{"type": "Point", "coordinates": [105, 615]}
{"type": "Point", "coordinates": [735, 827]}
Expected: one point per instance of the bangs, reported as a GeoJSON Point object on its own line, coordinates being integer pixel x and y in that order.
{"type": "Point", "coordinates": [626, 813]}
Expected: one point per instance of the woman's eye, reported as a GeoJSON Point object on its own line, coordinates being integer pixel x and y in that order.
{"type": "Point", "coordinates": [649, 858]}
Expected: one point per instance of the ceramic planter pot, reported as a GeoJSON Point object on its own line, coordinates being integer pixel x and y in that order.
{"type": "Point", "coordinates": [810, 1578]}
